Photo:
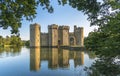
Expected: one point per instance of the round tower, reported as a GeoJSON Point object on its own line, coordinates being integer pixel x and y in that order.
{"type": "Point", "coordinates": [35, 35]}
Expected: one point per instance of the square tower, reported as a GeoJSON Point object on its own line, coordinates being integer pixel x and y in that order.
{"type": "Point", "coordinates": [53, 35]}
{"type": "Point", "coordinates": [79, 35]}
{"type": "Point", "coordinates": [63, 35]}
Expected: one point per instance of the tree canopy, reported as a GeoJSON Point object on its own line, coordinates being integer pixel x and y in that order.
{"type": "Point", "coordinates": [105, 40]}
{"type": "Point", "coordinates": [11, 41]}
{"type": "Point", "coordinates": [105, 14]}
{"type": "Point", "coordinates": [13, 11]}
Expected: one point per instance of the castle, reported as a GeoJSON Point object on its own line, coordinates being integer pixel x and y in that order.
{"type": "Point", "coordinates": [56, 36]}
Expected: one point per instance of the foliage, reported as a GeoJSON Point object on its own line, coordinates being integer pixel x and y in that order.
{"type": "Point", "coordinates": [15, 40]}
{"type": "Point", "coordinates": [107, 48]}
{"type": "Point", "coordinates": [1, 41]}
{"type": "Point", "coordinates": [106, 44]}
{"type": "Point", "coordinates": [104, 67]}
{"type": "Point", "coordinates": [13, 11]}
{"type": "Point", "coordinates": [10, 51]}
{"type": "Point", "coordinates": [26, 43]}
{"type": "Point", "coordinates": [11, 41]}
{"type": "Point", "coordinates": [105, 41]}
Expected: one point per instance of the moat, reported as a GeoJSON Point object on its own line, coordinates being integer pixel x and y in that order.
{"type": "Point", "coordinates": [44, 62]}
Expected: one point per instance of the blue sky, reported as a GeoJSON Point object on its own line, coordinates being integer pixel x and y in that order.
{"type": "Point", "coordinates": [63, 15]}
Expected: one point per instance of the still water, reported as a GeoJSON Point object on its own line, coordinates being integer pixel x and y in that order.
{"type": "Point", "coordinates": [44, 62]}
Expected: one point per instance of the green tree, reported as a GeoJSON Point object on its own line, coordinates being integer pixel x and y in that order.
{"type": "Point", "coordinates": [7, 40]}
{"type": "Point", "coordinates": [13, 11]}
{"type": "Point", "coordinates": [27, 43]}
{"type": "Point", "coordinates": [15, 41]}
{"type": "Point", "coordinates": [105, 42]}
{"type": "Point", "coordinates": [12, 41]}
{"type": "Point", "coordinates": [1, 41]}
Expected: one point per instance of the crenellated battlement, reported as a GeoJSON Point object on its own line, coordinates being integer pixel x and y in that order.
{"type": "Point", "coordinates": [34, 25]}
{"type": "Point", "coordinates": [56, 36]}
{"type": "Point", "coordinates": [77, 28]}
{"type": "Point", "coordinates": [80, 28]}
{"type": "Point", "coordinates": [34, 35]}
{"type": "Point", "coordinates": [64, 27]}
{"type": "Point", "coordinates": [53, 26]}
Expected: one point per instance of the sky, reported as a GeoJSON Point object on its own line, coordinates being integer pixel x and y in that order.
{"type": "Point", "coordinates": [62, 15]}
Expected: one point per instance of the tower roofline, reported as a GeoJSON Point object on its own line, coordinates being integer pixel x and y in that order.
{"type": "Point", "coordinates": [34, 25]}
{"type": "Point", "coordinates": [53, 26]}
{"type": "Point", "coordinates": [64, 27]}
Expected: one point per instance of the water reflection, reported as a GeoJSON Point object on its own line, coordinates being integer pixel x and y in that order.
{"type": "Point", "coordinates": [56, 57]}
{"type": "Point", "coordinates": [34, 59]}
{"type": "Point", "coordinates": [91, 54]}
{"type": "Point", "coordinates": [46, 61]}
{"type": "Point", "coordinates": [9, 51]}
{"type": "Point", "coordinates": [78, 58]}
{"type": "Point", "coordinates": [53, 58]}
{"type": "Point", "coordinates": [64, 58]}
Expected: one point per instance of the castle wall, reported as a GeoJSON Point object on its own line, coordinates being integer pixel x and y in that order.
{"type": "Point", "coordinates": [44, 39]}
{"type": "Point", "coordinates": [72, 39]}
{"type": "Point", "coordinates": [53, 35]}
{"type": "Point", "coordinates": [64, 35]}
{"type": "Point", "coordinates": [49, 36]}
{"type": "Point", "coordinates": [79, 35]}
{"type": "Point", "coordinates": [35, 35]}
{"type": "Point", "coordinates": [56, 36]}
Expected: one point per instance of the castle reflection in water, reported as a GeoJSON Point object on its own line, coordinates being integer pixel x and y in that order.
{"type": "Point", "coordinates": [56, 57]}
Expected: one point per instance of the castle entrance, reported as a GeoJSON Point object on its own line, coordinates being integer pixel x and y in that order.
{"type": "Point", "coordinates": [72, 41]}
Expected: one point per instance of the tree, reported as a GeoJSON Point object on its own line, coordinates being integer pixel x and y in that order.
{"type": "Point", "coordinates": [13, 11]}
{"type": "Point", "coordinates": [7, 40]}
{"type": "Point", "coordinates": [1, 41]}
{"type": "Point", "coordinates": [27, 43]}
{"type": "Point", "coordinates": [11, 41]}
{"type": "Point", "coordinates": [106, 46]}
{"type": "Point", "coordinates": [105, 41]}
{"type": "Point", "coordinates": [15, 41]}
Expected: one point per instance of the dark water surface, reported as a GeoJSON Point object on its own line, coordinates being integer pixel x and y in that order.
{"type": "Point", "coordinates": [44, 62]}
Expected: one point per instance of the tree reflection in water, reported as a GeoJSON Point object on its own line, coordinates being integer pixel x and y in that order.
{"type": "Point", "coordinates": [105, 66]}
{"type": "Point", "coordinates": [9, 51]}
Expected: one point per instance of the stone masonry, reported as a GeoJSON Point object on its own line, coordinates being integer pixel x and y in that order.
{"type": "Point", "coordinates": [34, 35]}
{"type": "Point", "coordinates": [56, 36]}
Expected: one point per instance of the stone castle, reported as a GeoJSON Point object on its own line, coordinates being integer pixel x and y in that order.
{"type": "Point", "coordinates": [56, 36]}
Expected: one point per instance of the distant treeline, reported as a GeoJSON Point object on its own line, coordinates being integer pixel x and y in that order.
{"type": "Point", "coordinates": [13, 40]}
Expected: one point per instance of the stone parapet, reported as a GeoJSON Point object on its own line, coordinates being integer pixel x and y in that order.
{"type": "Point", "coordinates": [53, 26]}
{"type": "Point", "coordinates": [64, 27]}
{"type": "Point", "coordinates": [56, 36]}
{"type": "Point", "coordinates": [34, 25]}
{"type": "Point", "coordinates": [80, 28]}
